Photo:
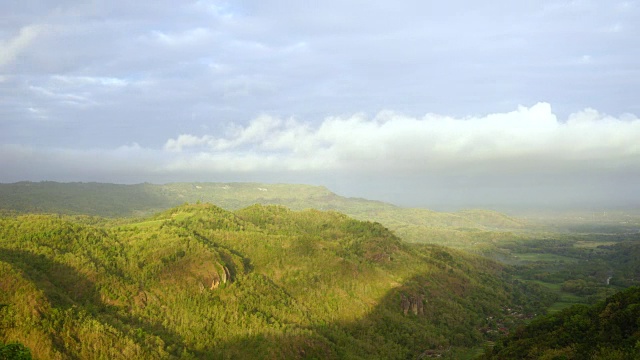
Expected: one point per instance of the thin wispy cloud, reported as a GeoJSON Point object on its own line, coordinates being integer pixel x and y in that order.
{"type": "Point", "coordinates": [11, 48]}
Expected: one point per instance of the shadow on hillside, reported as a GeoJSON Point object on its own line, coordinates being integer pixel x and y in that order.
{"type": "Point", "coordinates": [410, 322]}
{"type": "Point", "coordinates": [62, 285]}
{"type": "Point", "coordinates": [66, 288]}
{"type": "Point", "coordinates": [405, 324]}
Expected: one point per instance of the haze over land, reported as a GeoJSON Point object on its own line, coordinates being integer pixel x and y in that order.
{"type": "Point", "coordinates": [439, 105]}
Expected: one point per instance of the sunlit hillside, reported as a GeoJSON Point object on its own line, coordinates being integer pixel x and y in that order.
{"type": "Point", "coordinates": [197, 281]}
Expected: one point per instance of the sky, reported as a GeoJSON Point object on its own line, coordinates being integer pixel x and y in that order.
{"type": "Point", "coordinates": [438, 104]}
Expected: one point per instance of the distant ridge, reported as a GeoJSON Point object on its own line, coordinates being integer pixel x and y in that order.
{"type": "Point", "coordinates": [117, 200]}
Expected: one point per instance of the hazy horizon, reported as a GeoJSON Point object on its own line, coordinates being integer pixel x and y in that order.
{"type": "Point", "coordinates": [448, 204]}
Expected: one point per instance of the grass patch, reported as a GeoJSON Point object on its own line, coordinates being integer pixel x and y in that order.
{"type": "Point", "coordinates": [565, 299]}
{"type": "Point", "coordinates": [536, 257]}
{"type": "Point", "coordinates": [143, 225]}
{"type": "Point", "coordinates": [593, 244]}
{"type": "Point", "coordinates": [561, 305]}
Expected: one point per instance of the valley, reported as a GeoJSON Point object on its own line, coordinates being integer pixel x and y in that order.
{"type": "Point", "coordinates": [284, 271]}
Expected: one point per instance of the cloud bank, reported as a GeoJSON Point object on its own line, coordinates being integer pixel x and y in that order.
{"type": "Point", "coordinates": [523, 155]}
{"type": "Point", "coordinates": [397, 143]}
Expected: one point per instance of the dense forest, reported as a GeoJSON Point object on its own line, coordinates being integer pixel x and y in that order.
{"type": "Point", "coordinates": [197, 281]}
{"type": "Point", "coordinates": [607, 330]}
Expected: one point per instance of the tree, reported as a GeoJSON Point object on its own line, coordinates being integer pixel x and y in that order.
{"type": "Point", "coordinates": [14, 351]}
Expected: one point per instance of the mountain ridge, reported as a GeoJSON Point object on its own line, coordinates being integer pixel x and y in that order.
{"type": "Point", "coordinates": [114, 200]}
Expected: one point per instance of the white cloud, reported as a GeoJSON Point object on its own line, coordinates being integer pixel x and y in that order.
{"type": "Point", "coordinates": [37, 113]}
{"type": "Point", "coordinates": [188, 37]}
{"type": "Point", "coordinates": [65, 98]}
{"type": "Point", "coordinates": [527, 140]}
{"type": "Point", "coordinates": [393, 142]}
{"type": "Point", "coordinates": [586, 59]}
{"type": "Point", "coordinates": [11, 49]}
{"type": "Point", "coordinates": [185, 141]}
{"type": "Point", "coordinates": [213, 8]}
{"type": "Point", "coordinates": [615, 28]}
{"type": "Point", "coordinates": [90, 80]}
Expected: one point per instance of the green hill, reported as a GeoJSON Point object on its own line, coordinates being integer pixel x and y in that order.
{"type": "Point", "coordinates": [111, 200]}
{"type": "Point", "coordinates": [197, 281]}
{"type": "Point", "coordinates": [607, 330]}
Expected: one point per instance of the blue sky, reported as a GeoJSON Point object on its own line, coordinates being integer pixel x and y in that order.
{"type": "Point", "coordinates": [423, 103]}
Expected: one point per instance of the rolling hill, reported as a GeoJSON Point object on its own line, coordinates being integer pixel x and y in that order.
{"type": "Point", "coordinates": [198, 281]}
{"type": "Point", "coordinates": [112, 200]}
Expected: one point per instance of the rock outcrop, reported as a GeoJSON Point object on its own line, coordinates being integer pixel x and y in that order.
{"type": "Point", "coordinates": [413, 303]}
{"type": "Point", "coordinates": [220, 277]}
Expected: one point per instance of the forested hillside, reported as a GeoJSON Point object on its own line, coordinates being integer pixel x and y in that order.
{"type": "Point", "coordinates": [579, 256]}
{"type": "Point", "coordinates": [112, 200]}
{"type": "Point", "coordinates": [197, 281]}
{"type": "Point", "coordinates": [608, 330]}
